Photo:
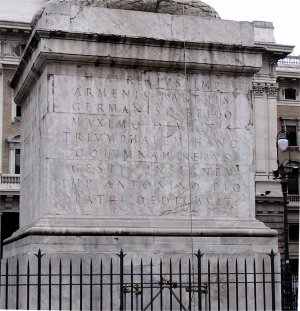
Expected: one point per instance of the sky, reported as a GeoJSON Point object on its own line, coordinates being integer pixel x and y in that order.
{"type": "Point", "coordinates": [285, 15]}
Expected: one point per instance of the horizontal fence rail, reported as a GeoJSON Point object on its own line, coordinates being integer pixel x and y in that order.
{"type": "Point", "coordinates": [199, 282]}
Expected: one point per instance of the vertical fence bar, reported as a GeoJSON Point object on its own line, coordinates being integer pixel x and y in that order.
{"type": "Point", "coordinates": [209, 285]}
{"type": "Point", "coordinates": [272, 256]}
{"type": "Point", "coordinates": [151, 283]}
{"type": "Point", "coordinates": [60, 285]}
{"type": "Point", "coordinates": [283, 281]}
{"type": "Point", "coordinates": [136, 302]}
{"type": "Point", "coordinates": [50, 284]}
{"type": "Point", "coordinates": [17, 285]}
{"type": "Point", "coordinates": [161, 285]}
{"type": "Point", "coordinates": [39, 256]}
{"type": "Point", "coordinates": [131, 284]}
{"type": "Point", "coordinates": [125, 296]}
{"type": "Point", "coordinates": [180, 285]}
{"type": "Point", "coordinates": [190, 285]}
{"type": "Point", "coordinates": [121, 255]}
{"type": "Point", "coordinates": [0, 279]}
{"type": "Point", "coordinates": [227, 283]}
{"type": "Point", "coordinates": [28, 285]}
{"type": "Point", "coordinates": [142, 285]}
{"type": "Point", "coordinates": [6, 284]}
{"type": "Point", "coordinates": [111, 285]}
{"type": "Point", "coordinates": [218, 282]}
{"type": "Point", "coordinates": [199, 255]}
{"type": "Point", "coordinates": [254, 282]}
{"type": "Point", "coordinates": [91, 284]}
{"type": "Point", "coordinates": [246, 286]}
{"type": "Point", "coordinates": [171, 298]}
{"type": "Point", "coordinates": [71, 285]}
{"type": "Point", "coordinates": [264, 284]}
{"type": "Point", "coordinates": [80, 285]}
{"type": "Point", "coordinates": [236, 284]}
{"type": "Point", "coordinates": [101, 285]}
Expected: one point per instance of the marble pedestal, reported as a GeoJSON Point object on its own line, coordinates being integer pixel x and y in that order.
{"type": "Point", "coordinates": [137, 134]}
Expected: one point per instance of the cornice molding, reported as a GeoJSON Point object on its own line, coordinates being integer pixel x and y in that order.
{"type": "Point", "coordinates": [15, 27]}
{"type": "Point", "coordinates": [279, 51]}
{"type": "Point", "coordinates": [199, 53]}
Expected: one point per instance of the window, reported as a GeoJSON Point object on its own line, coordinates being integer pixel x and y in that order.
{"type": "Point", "coordinates": [9, 224]}
{"type": "Point", "coordinates": [18, 111]}
{"type": "Point", "coordinates": [17, 161]}
{"type": "Point", "coordinates": [294, 232]}
{"type": "Point", "coordinates": [14, 154]}
{"type": "Point", "coordinates": [292, 130]}
{"type": "Point", "coordinates": [292, 126]}
{"type": "Point", "coordinates": [293, 185]}
{"type": "Point", "coordinates": [294, 266]}
{"type": "Point", "coordinates": [290, 93]}
{"type": "Point", "coordinates": [19, 49]}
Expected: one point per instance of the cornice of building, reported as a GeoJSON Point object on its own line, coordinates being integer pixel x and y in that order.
{"type": "Point", "coordinates": [287, 75]}
{"type": "Point", "coordinates": [279, 51]}
{"type": "Point", "coordinates": [11, 28]}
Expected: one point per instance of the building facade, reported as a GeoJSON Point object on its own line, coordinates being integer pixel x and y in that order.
{"type": "Point", "coordinates": [288, 117]}
{"type": "Point", "coordinates": [275, 96]}
{"type": "Point", "coordinates": [13, 37]}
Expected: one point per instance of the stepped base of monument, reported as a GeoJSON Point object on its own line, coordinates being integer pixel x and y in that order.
{"type": "Point", "coordinates": [142, 237]}
{"type": "Point", "coordinates": [141, 246]}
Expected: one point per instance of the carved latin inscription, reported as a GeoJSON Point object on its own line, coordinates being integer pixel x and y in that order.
{"type": "Point", "coordinates": [149, 143]}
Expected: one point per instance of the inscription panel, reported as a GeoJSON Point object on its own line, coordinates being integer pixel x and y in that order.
{"type": "Point", "coordinates": [129, 143]}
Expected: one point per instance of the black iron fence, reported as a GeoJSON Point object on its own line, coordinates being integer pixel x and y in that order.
{"type": "Point", "coordinates": [200, 282]}
{"type": "Point", "coordinates": [289, 288]}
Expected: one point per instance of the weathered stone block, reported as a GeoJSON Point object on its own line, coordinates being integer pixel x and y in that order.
{"type": "Point", "coordinates": [135, 125]}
